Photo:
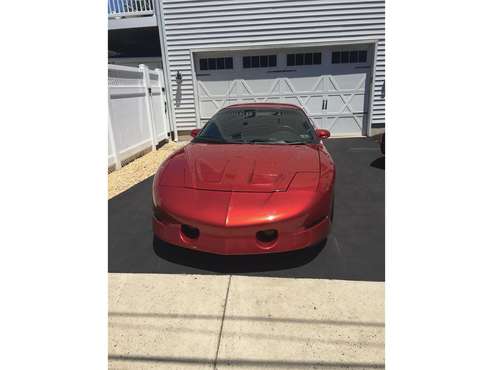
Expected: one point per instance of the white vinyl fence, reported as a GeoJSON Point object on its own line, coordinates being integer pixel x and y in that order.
{"type": "Point", "coordinates": [138, 116]}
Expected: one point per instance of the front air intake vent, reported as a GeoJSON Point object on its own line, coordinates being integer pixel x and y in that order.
{"type": "Point", "coordinates": [190, 231]}
{"type": "Point", "coordinates": [267, 236]}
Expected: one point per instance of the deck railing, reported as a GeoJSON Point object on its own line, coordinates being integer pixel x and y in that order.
{"type": "Point", "coordinates": [129, 8]}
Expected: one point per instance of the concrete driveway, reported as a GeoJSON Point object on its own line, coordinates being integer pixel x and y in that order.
{"type": "Point", "coordinates": [322, 308]}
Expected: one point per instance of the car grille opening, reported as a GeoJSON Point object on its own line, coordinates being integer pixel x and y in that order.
{"type": "Point", "coordinates": [267, 236]}
{"type": "Point", "coordinates": [190, 231]}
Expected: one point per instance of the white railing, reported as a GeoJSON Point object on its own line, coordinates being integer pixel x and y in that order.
{"type": "Point", "coordinates": [138, 114]}
{"type": "Point", "coordinates": [129, 8]}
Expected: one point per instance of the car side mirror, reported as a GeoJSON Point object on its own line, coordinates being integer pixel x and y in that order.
{"type": "Point", "coordinates": [322, 134]}
{"type": "Point", "coordinates": [195, 132]}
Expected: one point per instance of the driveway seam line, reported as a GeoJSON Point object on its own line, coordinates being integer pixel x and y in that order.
{"type": "Point", "coordinates": [222, 323]}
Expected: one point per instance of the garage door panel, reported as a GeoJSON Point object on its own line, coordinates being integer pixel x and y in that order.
{"type": "Point", "coordinates": [334, 96]}
{"type": "Point", "coordinates": [290, 100]}
{"type": "Point", "coordinates": [238, 100]}
{"type": "Point", "coordinates": [208, 108]}
{"type": "Point", "coordinates": [335, 104]}
{"type": "Point", "coordinates": [263, 87]}
{"type": "Point", "coordinates": [246, 100]}
{"type": "Point", "coordinates": [330, 85]}
{"type": "Point", "coordinates": [318, 122]}
{"type": "Point", "coordinates": [229, 102]}
{"type": "Point", "coordinates": [353, 81]}
{"type": "Point", "coordinates": [274, 99]}
{"type": "Point", "coordinates": [357, 103]}
{"type": "Point", "coordinates": [213, 88]}
{"type": "Point", "coordinates": [239, 89]}
{"type": "Point", "coordinates": [345, 125]}
{"type": "Point", "coordinates": [302, 84]}
{"type": "Point", "coordinates": [313, 104]}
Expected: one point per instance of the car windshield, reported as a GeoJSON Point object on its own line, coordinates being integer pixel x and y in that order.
{"type": "Point", "coordinates": [258, 125]}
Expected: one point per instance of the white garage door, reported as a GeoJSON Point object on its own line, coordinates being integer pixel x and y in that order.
{"type": "Point", "coordinates": [330, 84]}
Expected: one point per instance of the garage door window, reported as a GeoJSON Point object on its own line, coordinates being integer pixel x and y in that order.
{"type": "Point", "coordinates": [216, 63]}
{"type": "Point", "coordinates": [303, 59]}
{"type": "Point", "coordinates": [260, 61]}
{"type": "Point", "coordinates": [352, 56]}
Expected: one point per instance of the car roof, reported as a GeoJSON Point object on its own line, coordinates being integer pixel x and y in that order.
{"type": "Point", "coordinates": [264, 105]}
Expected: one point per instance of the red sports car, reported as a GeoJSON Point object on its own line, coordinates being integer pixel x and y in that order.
{"type": "Point", "coordinates": [255, 179]}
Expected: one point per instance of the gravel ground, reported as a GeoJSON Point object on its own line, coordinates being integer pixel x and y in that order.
{"type": "Point", "coordinates": [139, 169]}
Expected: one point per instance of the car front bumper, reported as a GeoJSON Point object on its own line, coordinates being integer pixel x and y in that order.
{"type": "Point", "coordinates": [242, 240]}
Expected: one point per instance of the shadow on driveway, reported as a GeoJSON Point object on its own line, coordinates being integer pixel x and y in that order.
{"type": "Point", "coordinates": [355, 250]}
{"type": "Point", "coordinates": [235, 264]}
{"type": "Point", "coordinates": [379, 163]}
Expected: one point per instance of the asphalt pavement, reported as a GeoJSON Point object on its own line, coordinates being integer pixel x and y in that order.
{"type": "Point", "coordinates": [355, 249]}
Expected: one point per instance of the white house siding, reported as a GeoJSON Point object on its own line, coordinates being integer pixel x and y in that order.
{"type": "Point", "coordinates": [231, 24]}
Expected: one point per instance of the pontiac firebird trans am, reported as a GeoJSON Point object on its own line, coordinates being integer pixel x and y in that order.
{"type": "Point", "coordinates": [256, 179]}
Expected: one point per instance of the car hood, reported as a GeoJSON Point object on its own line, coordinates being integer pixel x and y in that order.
{"type": "Point", "coordinates": [239, 167]}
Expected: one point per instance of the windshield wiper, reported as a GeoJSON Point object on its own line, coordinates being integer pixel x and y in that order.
{"type": "Point", "coordinates": [204, 139]}
{"type": "Point", "coordinates": [265, 141]}
{"type": "Point", "coordinates": [296, 142]}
